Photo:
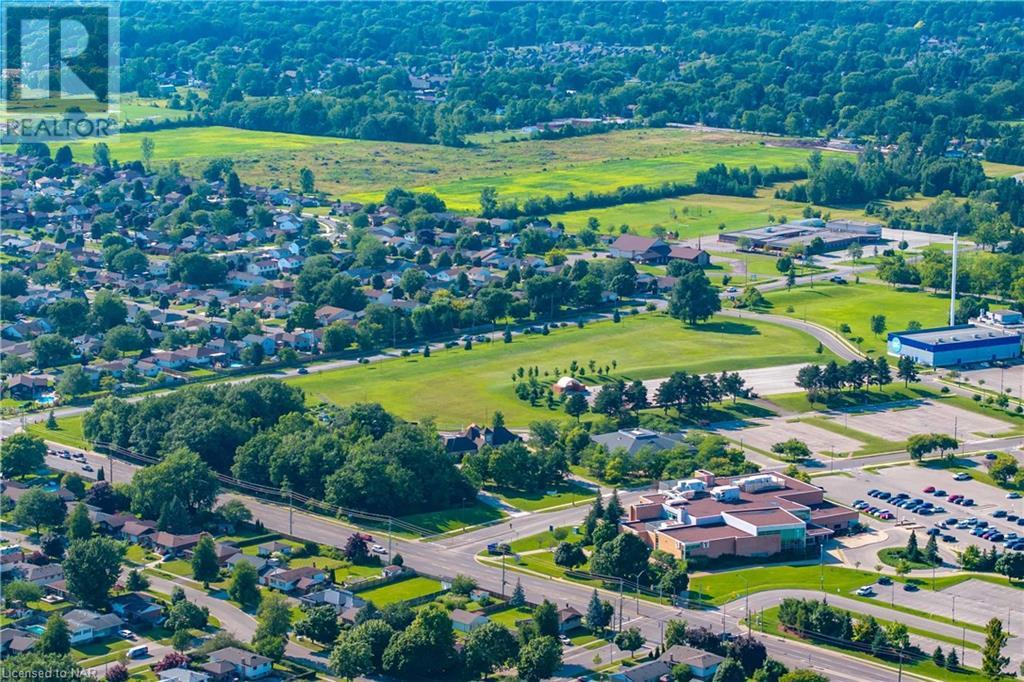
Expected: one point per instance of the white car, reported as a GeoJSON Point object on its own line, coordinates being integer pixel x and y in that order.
{"type": "Point", "coordinates": [564, 640]}
{"type": "Point", "coordinates": [377, 549]}
{"type": "Point", "coordinates": [962, 476]}
{"type": "Point", "coordinates": [126, 634]}
{"type": "Point", "coordinates": [865, 591]}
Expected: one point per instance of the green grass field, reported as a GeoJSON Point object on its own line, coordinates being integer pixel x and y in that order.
{"type": "Point", "coordinates": [364, 170]}
{"type": "Point", "coordinates": [458, 386]}
{"type": "Point", "coordinates": [448, 520]}
{"type": "Point", "coordinates": [68, 431]}
{"type": "Point", "coordinates": [831, 305]}
{"type": "Point", "coordinates": [402, 590]}
{"type": "Point", "coordinates": [566, 493]}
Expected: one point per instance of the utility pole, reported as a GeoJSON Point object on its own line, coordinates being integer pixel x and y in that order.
{"type": "Point", "coordinates": [389, 538]}
{"type": "Point", "coordinates": [899, 678]}
{"type": "Point", "coordinates": [290, 506]}
{"type": "Point", "coordinates": [620, 604]}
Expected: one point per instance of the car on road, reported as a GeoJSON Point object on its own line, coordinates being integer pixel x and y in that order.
{"type": "Point", "coordinates": [1013, 496]}
{"type": "Point", "coordinates": [731, 290]}
{"type": "Point", "coordinates": [377, 549]}
{"type": "Point", "coordinates": [865, 591]}
{"type": "Point", "coordinates": [65, 454]}
{"type": "Point", "coordinates": [87, 467]}
{"type": "Point", "coordinates": [365, 537]}
{"type": "Point", "coordinates": [303, 370]}
{"type": "Point", "coordinates": [837, 279]}
{"type": "Point", "coordinates": [961, 476]}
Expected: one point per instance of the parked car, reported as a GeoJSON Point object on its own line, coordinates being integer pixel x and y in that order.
{"type": "Point", "coordinates": [949, 538]}
{"type": "Point", "coordinates": [1013, 495]}
{"type": "Point", "coordinates": [962, 476]}
{"type": "Point", "coordinates": [909, 587]}
{"type": "Point", "coordinates": [865, 591]}
{"type": "Point", "coordinates": [990, 456]}
{"type": "Point", "coordinates": [929, 489]}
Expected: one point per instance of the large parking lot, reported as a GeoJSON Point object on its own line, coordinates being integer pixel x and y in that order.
{"type": "Point", "coordinates": [912, 480]}
{"type": "Point", "coordinates": [928, 417]}
{"type": "Point", "coordinates": [819, 440]}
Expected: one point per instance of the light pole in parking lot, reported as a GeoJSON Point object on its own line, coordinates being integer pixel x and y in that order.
{"type": "Point", "coordinates": [954, 608]}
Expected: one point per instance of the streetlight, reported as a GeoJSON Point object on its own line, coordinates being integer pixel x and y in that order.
{"type": "Point", "coordinates": [954, 608]}
{"type": "Point", "coordinates": [643, 572]}
{"type": "Point", "coordinates": [746, 600]}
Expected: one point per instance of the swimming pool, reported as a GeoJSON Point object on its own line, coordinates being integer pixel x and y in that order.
{"type": "Point", "coordinates": [36, 629]}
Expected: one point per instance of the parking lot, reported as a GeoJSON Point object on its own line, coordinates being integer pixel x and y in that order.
{"type": "Point", "coordinates": [911, 480]}
{"type": "Point", "coordinates": [927, 417]}
{"type": "Point", "coordinates": [819, 440]}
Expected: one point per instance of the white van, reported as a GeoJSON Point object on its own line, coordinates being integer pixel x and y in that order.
{"type": "Point", "coordinates": [140, 651]}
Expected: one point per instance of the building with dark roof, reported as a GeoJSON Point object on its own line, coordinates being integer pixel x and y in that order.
{"type": "Point", "coordinates": [962, 344]}
{"type": "Point", "coordinates": [755, 515]}
{"type": "Point", "coordinates": [636, 439]}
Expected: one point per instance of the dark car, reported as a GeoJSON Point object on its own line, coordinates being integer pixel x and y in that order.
{"type": "Point", "coordinates": [884, 580]}
{"type": "Point", "coordinates": [303, 370]}
{"type": "Point", "coordinates": [990, 455]}
{"type": "Point", "coordinates": [949, 538]}
{"type": "Point", "coordinates": [910, 587]}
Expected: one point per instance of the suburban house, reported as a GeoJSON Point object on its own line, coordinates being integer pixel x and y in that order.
{"type": "Point", "coordinates": [473, 437]}
{"type": "Point", "coordinates": [755, 515]}
{"type": "Point", "coordinates": [138, 608]}
{"type": "Point", "coordinates": [702, 664]}
{"type": "Point", "coordinates": [183, 675]}
{"type": "Point", "coordinates": [301, 579]}
{"type": "Point", "coordinates": [647, 250]}
{"type": "Point", "coordinates": [258, 562]}
{"type": "Point", "coordinates": [247, 665]}
{"type": "Point", "coordinates": [44, 575]}
{"type": "Point", "coordinates": [569, 619]}
{"type": "Point", "coordinates": [651, 671]}
{"type": "Point", "coordinates": [466, 621]}
{"type": "Point", "coordinates": [338, 598]}
{"type": "Point", "coordinates": [170, 543]}
{"type": "Point", "coordinates": [14, 641]}
{"type": "Point", "coordinates": [268, 548]}
{"type": "Point", "coordinates": [88, 626]}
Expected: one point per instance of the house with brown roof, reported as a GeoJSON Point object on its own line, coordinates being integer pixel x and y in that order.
{"type": "Point", "coordinates": [474, 437]}
{"type": "Point", "coordinates": [302, 579]}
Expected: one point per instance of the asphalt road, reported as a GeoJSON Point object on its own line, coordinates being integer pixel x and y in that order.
{"type": "Point", "coordinates": [456, 555]}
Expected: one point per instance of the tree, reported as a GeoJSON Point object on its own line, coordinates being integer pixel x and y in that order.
{"type": "Point", "coordinates": [750, 652]}
{"type": "Point", "coordinates": [307, 182]}
{"type": "Point", "coordinates": [37, 508]}
{"type": "Point", "coordinates": [992, 659]}
{"type": "Point", "coordinates": [575, 405]}
{"type": "Point", "coordinates": [771, 671]}
{"type": "Point", "coordinates": [117, 672]}
{"type": "Point", "coordinates": [74, 382]}
{"type": "Point", "coordinates": [205, 568]}
{"type": "Point", "coordinates": [55, 638]}
{"type": "Point", "coordinates": [79, 525]}
{"type": "Point", "coordinates": [729, 670]}
{"type": "Point", "coordinates": [186, 615]}
{"type": "Point", "coordinates": [518, 597]}
{"type": "Point", "coordinates": [21, 592]}
{"type": "Point", "coordinates": [147, 146]}
{"type": "Point", "coordinates": [539, 659]}
{"type": "Point", "coordinates": [938, 657]}
{"type": "Point", "coordinates": [931, 550]}
{"type": "Point", "coordinates": [377, 633]}
{"type": "Point", "coordinates": [629, 640]}
{"type": "Point", "coordinates": [273, 617]}
{"type": "Point", "coordinates": [350, 658]}
{"type": "Point", "coordinates": [244, 587]}
{"type": "Point", "coordinates": [425, 649]}
{"type": "Point", "coordinates": [545, 617]}
{"type": "Point", "coordinates": [91, 568]}
{"type": "Point", "coordinates": [271, 647]}
{"type": "Point", "coordinates": [356, 550]}
{"type": "Point", "coordinates": [23, 454]}
{"type": "Point", "coordinates": [319, 623]}
{"type": "Point", "coordinates": [136, 581]}
{"type": "Point", "coordinates": [906, 369]}
{"type": "Point", "coordinates": [569, 554]}
{"type": "Point", "coordinates": [488, 648]}
{"type": "Point", "coordinates": [877, 324]}
{"type": "Point", "coordinates": [463, 585]}
{"type": "Point", "coordinates": [625, 556]}
{"type": "Point", "coordinates": [952, 660]}
{"type": "Point", "coordinates": [1011, 564]}
{"type": "Point", "coordinates": [803, 675]}
{"type": "Point", "coordinates": [74, 484]}
{"type": "Point", "coordinates": [597, 617]}
{"type": "Point", "coordinates": [912, 552]}
{"type": "Point", "coordinates": [182, 474]}
{"type": "Point", "coordinates": [693, 298]}
{"type": "Point", "coordinates": [792, 450]}
{"type": "Point", "coordinates": [921, 444]}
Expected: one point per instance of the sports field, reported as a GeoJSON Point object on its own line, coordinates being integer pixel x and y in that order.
{"type": "Point", "coordinates": [365, 170]}
{"type": "Point", "coordinates": [832, 305]}
{"type": "Point", "coordinates": [458, 386]}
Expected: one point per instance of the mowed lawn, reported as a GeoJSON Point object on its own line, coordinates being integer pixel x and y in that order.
{"type": "Point", "coordinates": [68, 431]}
{"type": "Point", "coordinates": [402, 590]}
{"type": "Point", "coordinates": [365, 170]}
{"type": "Point", "coordinates": [697, 214]}
{"type": "Point", "coordinates": [458, 386]}
{"type": "Point", "coordinates": [832, 305]}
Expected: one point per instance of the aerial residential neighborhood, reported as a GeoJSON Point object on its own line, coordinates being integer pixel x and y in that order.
{"type": "Point", "coordinates": [646, 342]}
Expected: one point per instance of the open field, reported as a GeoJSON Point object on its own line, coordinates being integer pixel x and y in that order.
{"type": "Point", "coordinates": [563, 494]}
{"type": "Point", "coordinates": [831, 305]}
{"type": "Point", "coordinates": [68, 431]}
{"type": "Point", "coordinates": [457, 518]}
{"type": "Point", "coordinates": [364, 170]}
{"type": "Point", "coordinates": [402, 590]}
{"type": "Point", "coordinates": [458, 387]}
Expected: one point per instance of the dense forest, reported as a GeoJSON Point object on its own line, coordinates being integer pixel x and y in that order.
{"type": "Point", "coordinates": [438, 71]}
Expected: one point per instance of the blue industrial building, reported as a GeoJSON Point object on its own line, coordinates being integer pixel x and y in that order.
{"type": "Point", "coordinates": [963, 344]}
